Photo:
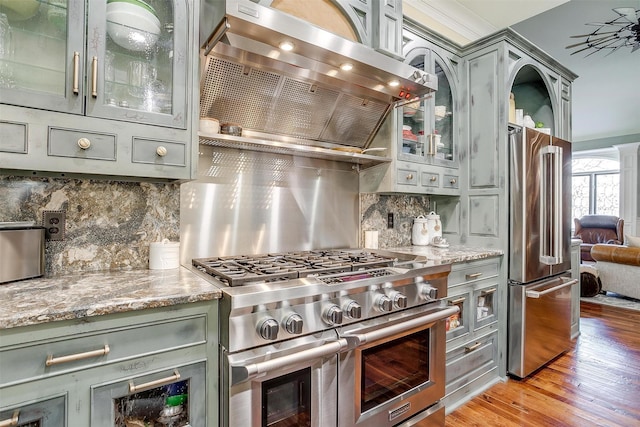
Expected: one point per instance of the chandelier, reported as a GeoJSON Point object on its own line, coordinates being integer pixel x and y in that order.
{"type": "Point", "coordinates": [623, 31]}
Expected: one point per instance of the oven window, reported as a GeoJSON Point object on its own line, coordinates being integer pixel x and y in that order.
{"type": "Point", "coordinates": [286, 400]}
{"type": "Point", "coordinates": [392, 368]}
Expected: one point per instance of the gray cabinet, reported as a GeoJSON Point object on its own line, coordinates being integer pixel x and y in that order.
{"type": "Point", "coordinates": [387, 28]}
{"type": "Point", "coordinates": [81, 86]}
{"type": "Point", "coordinates": [103, 370]}
{"type": "Point", "coordinates": [422, 136]}
{"type": "Point", "coordinates": [476, 334]}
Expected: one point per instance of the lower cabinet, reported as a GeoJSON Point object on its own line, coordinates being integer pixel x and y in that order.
{"type": "Point", "coordinates": [475, 334]}
{"type": "Point", "coordinates": [148, 367]}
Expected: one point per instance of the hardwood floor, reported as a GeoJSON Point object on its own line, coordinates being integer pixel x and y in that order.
{"type": "Point", "coordinates": [597, 383]}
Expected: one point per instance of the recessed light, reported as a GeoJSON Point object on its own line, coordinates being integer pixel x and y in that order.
{"type": "Point", "coordinates": [394, 83]}
{"type": "Point", "coordinates": [346, 67]}
{"type": "Point", "coordinates": [286, 46]}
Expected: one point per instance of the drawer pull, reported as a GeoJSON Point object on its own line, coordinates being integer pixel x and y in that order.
{"type": "Point", "coordinates": [473, 276]}
{"type": "Point", "coordinates": [84, 143]}
{"type": "Point", "coordinates": [13, 421]}
{"type": "Point", "coordinates": [489, 291]}
{"type": "Point", "coordinates": [433, 178]}
{"type": "Point", "coordinates": [161, 151]}
{"type": "Point", "coordinates": [94, 77]}
{"type": "Point", "coordinates": [453, 180]}
{"type": "Point", "coordinates": [457, 301]}
{"type": "Point", "coordinates": [470, 348]}
{"type": "Point", "coordinates": [76, 72]}
{"type": "Point", "coordinates": [409, 177]}
{"type": "Point", "coordinates": [151, 384]}
{"type": "Point", "coordinates": [78, 356]}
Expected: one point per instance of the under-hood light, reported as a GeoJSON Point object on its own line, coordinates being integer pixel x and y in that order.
{"type": "Point", "coordinates": [286, 46]}
{"type": "Point", "coordinates": [346, 66]}
{"type": "Point", "coordinates": [394, 83]}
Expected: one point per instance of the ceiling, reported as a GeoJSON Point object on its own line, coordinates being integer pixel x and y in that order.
{"type": "Point", "coordinates": [606, 95]}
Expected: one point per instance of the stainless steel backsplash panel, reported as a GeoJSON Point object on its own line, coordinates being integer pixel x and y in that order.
{"type": "Point", "coordinates": [247, 202]}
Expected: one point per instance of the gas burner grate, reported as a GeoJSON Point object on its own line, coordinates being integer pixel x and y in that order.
{"type": "Point", "coordinates": [242, 269]}
{"type": "Point", "coordinates": [343, 278]}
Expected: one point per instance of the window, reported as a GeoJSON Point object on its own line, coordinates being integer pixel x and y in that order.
{"type": "Point", "coordinates": [595, 186]}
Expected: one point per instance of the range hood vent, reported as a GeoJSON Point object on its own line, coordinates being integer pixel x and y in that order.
{"type": "Point", "coordinates": [302, 94]}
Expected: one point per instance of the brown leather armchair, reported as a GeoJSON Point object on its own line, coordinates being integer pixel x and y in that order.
{"type": "Point", "coordinates": [593, 229]}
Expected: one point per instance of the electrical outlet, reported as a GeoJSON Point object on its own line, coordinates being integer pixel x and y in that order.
{"type": "Point", "coordinates": [54, 223]}
{"type": "Point", "coordinates": [390, 220]}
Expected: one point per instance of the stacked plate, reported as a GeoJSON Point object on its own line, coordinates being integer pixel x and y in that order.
{"type": "Point", "coordinates": [132, 24]}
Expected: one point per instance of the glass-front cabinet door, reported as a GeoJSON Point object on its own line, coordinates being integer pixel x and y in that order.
{"type": "Point", "coordinates": [126, 60]}
{"type": "Point", "coordinates": [428, 132]}
{"type": "Point", "coordinates": [41, 47]}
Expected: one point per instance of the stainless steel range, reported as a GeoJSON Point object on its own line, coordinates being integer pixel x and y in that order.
{"type": "Point", "coordinates": [330, 338]}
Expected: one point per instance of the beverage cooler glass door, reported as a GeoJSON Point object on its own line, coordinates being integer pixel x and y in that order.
{"type": "Point", "coordinates": [173, 397]}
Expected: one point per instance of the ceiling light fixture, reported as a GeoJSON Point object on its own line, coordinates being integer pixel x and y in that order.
{"type": "Point", "coordinates": [286, 46]}
{"type": "Point", "coordinates": [623, 31]}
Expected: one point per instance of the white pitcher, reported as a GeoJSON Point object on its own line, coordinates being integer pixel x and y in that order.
{"type": "Point", "coordinates": [420, 232]}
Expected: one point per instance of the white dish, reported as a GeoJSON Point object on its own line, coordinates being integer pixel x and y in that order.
{"type": "Point", "coordinates": [132, 26]}
{"type": "Point", "coordinates": [440, 245]}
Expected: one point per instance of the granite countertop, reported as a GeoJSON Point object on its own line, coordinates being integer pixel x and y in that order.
{"type": "Point", "coordinates": [47, 299]}
{"type": "Point", "coordinates": [449, 255]}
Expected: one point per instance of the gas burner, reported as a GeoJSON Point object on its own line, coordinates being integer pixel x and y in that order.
{"type": "Point", "coordinates": [243, 269]}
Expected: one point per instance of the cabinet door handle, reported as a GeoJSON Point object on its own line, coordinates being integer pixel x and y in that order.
{"type": "Point", "coordinates": [489, 291]}
{"type": "Point", "coordinates": [151, 384]}
{"type": "Point", "coordinates": [76, 72]}
{"type": "Point", "coordinates": [161, 151]}
{"type": "Point", "coordinates": [457, 301]}
{"type": "Point", "coordinates": [94, 77]}
{"type": "Point", "coordinates": [13, 421]}
{"type": "Point", "coordinates": [78, 356]}
{"type": "Point", "coordinates": [473, 276]}
{"type": "Point", "coordinates": [470, 348]}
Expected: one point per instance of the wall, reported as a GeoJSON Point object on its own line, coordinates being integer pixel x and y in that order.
{"type": "Point", "coordinates": [109, 223]}
{"type": "Point", "coordinates": [374, 209]}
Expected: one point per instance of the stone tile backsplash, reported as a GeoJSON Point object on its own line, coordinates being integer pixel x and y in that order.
{"type": "Point", "coordinates": [109, 223]}
{"type": "Point", "coordinates": [374, 209]}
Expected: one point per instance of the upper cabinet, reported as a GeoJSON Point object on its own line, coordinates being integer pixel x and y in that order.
{"type": "Point", "coordinates": [422, 136]}
{"type": "Point", "coordinates": [129, 62]}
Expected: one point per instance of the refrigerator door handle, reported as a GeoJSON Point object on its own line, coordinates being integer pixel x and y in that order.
{"type": "Point", "coordinates": [551, 226]}
{"type": "Point", "coordinates": [536, 294]}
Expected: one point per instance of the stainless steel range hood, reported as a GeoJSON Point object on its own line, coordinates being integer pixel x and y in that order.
{"type": "Point", "coordinates": [301, 96]}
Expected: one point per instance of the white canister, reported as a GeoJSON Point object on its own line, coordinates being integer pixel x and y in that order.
{"type": "Point", "coordinates": [420, 232]}
{"type": "Point", "coordinates": [434, 226]}
{"type": "Point", "coordinates": [164, 255]}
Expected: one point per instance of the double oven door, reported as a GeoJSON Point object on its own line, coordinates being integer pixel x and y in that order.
{"type": "Point", "coordinates": [292, 383]}
{"type": "Point", "coordinates": [394, 370]}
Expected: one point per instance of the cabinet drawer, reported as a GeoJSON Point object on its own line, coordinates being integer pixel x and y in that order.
{"type": "Point", "coordinates": [407, 177]}
{"type": "Point", "coordinates": [472, 271]}
{"type": "Point", "coordinates": [450, 181]}
{"type": "Point", "coordinates": [29, 361]}
{"type": "Point", "coordinates": [430, 179]}
{"type": "Point", "coordinates": [467, 362]}
{"type": "Point", "coordinates": [159, 152]}
{"type": "Point", "coordinates": [13, 137]}
{"type": "Point", "coordinates": [45, 413]}
{"type": "Point", "coordinates": [459, 324]}
{"type": "Point", "coordinates": [82, 144]}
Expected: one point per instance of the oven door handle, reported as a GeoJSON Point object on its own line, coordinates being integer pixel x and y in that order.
{"type": "Point", "coordinates": [241, 373]}
{"type": "Point", "coordinates": [357, 340]}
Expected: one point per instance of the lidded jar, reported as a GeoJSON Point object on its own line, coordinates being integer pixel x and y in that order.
{"type": "Point", "coordinates": [434, 225]}
{"type": "Point", "coordinates": [420, 232]}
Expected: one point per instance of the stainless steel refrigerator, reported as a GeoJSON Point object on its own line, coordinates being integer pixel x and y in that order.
{"type": "Point", "coordinates": [539, 250]}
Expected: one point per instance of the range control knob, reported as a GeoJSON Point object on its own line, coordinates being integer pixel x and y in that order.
{"type": "Point", "coordinates": [353, 310]}
{"type": "Point", "coordinates": [268, 329]}
{"type": "Point", "coordinates": [429, 292]}
{"type": "Point", "coordinates": [332, 315]}
{"type": "Point", "coordinates": [399, 300]}
{"type": "Point", "coordinates": [383, 303]}
{"type": "Point", "coordinates": [293, 324]}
